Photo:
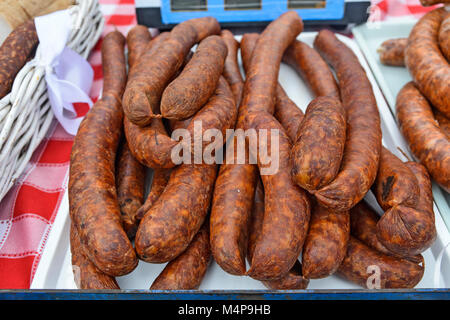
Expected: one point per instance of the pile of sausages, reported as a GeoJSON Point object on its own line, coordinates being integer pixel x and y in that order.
{"type": "Point", "coordinates": [423, 105]}
{"type": "Point", "coordinates": [328, 160]}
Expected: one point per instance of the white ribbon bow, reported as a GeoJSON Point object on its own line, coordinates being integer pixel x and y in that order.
{"type": "Point", "coordinates": [68, 75]}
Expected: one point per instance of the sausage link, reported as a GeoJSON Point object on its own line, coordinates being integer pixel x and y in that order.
{"type": "Point", "coordinates": [425, 62]}
{"type": "Point", "coordinates": [130, 183]}
{"type": "Point", "coordinates": [319, 146]}
{"type": "Point", "coordinates": [138, 39]}
{"type": "Point", "coordinates": [326, 242]}
{"type": "Point", "coordinates": [293, 279]}
{"type": "Point", "coordinates": [443, 122]}
{"type": "Point", "coordinates": [94, 208]}
{"type": "Point", "coordinates": [444, 36]}
{"type": "Point", "coordinates": [287, 207]}
{"type": "Point", "coordinates": [363, 226]}
{"type": "Point", "coordinates": [231, 70]}
{"type": "Point", "coordinates": [395, 183]}
{"type": "Point", "coordinates": [425, 139]}
{"type": "Point", "coordinates": [159, 183]}
{"type": "Point", "coordinates": [312, 68]}
{"type": "Point", "coordinates": [185, 95]}
{"type": "Point", "coordinates": [187, 271]}
{"type": "Point", "coordinates": [361, 262]}
{"type": "Point", "coordinates": [87, 275]}
{"type": "Point", "coordinates": [157, 67]}
{"type": "Point", "coordinates": [363, 145]}
{"type": "Point", "coordinates": [171, 223]}
{"type": "Point", "coordinates": [392, 52]}
{"type": "Point", "coordinates": [14, 53]}
{"type": "Point", "coordinates": [408, 231]}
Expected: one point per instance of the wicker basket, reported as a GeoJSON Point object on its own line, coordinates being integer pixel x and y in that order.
{"type": "Point", "coordinates": [25, 113]}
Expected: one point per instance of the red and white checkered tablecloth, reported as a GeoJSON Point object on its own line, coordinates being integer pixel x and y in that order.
{"type": "Point", "coordinates": [29, 209]}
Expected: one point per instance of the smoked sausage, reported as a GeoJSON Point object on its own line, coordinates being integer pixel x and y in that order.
{"type": "Point", "coordinates": [156, 68]}
{"type": "Point", "coordinates": [443, 121]}
{"type": "Point", "coordinates": [444, 36]}
{"type": "Point", "coordinates": [425, 139]}
{"type": "Point", "coordinates": [231, 70]}
{"type": "Point", "coordinates": [185, 95]}
{"type": "Point", "coordinates": [425, 62]}
{"type": "Point", "coordinates": [94, 208]}
{"type": "Point", "coordinates": [392, 52]}
{"type": "Point", "coordinates": [187, 271]}
{"type": "Point", "coordinates": [363, 137]}
{"type": "Point", "coordinates": [138, 39]}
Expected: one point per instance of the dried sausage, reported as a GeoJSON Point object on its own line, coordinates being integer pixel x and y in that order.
{"type": "Point", "coordinates": [392, 52]}
{"type": "Point", "coordinates": [231, 70]}
{"type": "Point", "coordinates": [138, 39]}
{"type": "Point", "coordinates": [425, 139]}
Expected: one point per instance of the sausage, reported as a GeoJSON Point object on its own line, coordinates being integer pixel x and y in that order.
{"type": "Point", "coordinates": [425, 139]}
{"type": "Point", "coordinates": [312, 69]}
{"type": "Point", "coordinates": [156, 68]}
{"type": "Point", "coordinates": [153, 147]}
{"type": "Point", "coordinates": [319, 146]}
{"type": "Point", "coordinates": [427, 3]}
{"type": "Point", "coordinates": [138, 39]}
{"type": "Point", "coordinates": [392, 52]}
{"type": "Point", "coordinates": [185, 95]}
{"type": "Point", "coordinates": [408, 231]}
{"type": "Point", "coordinates": [363, 136]}
{"type": "Point", "coordinates": [293, 279]}
{"type": "Point", "coordinates": [94, 208]}
{"type": "Point", "coordinates": [130, 174]}
{"type": "Point", "coordinates": [443, 122]}
{"type": "Point", "coordinates": [363, 226]}
{"type": "Point", "coordinates": [171, 223]}
{"type": "Point", "coordinates": [444, 36]}
{"type": "Point", "coordinates": [187, 271]}
{"type": "Point", "coordinates": [287, 113]}
{"type": "Point", "coordinates": [395, 183]}
{"type": "Point", "coordinates": [231, 70]}
{"type": "Point", "coordinates": [287, 207]}
{"type": "Point", "coordinates": [362, 262]}
{"type": "Point", "coordinates": [87, 275]}
{"type": "Point", "coordinates": [159, 183]}
{"type": "Point", "coordinates": [326, 242]}
{"type": "Point", "coordinates": [425, 62]}
{"type": "Point", "coordinates": [14, 53]}
{"type": "Point", "coordinates": [130, 177]}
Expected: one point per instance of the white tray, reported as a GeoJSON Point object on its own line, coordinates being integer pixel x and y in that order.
{"type": "Point", "coordinates": [392, 79]}
{"type": "Point", "coordinates": [55, 272]}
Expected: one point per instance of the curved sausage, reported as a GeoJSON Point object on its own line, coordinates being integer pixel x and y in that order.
{"type": "Point", "coordinates": [153, 147]}
{"type": "Point", "coordinates": [187, 271]}
{"type": "Point", "coordinates": [185, 95]}
{"type": "Point", "coordinates": [408, 231]}
{"type": "Point", "coordinates": [157, 67]}
{"type": "Point", "coordinates": [171, 223]}
{"type": "Point", "coordinates": [287, 207]}
{"type": "Point", "coordinates": [363, 226]}
{"type": "Point", "coordinates": [87, 275]}
{"type": "Point", "coordinates": [94, 208]}
{"type": "Point", "coordinates": [231, 70]}
{"type": "Point", "coordinates": [392, 52]}
{"type": "Point", "coordinates": [312, 69]}
{"type": "Point", "coordinates": [159, 183]}
{"type": "Point", "coordinates": [395, 183]}
{"type": "Point", "coordinates": [425, 139]}
{"type": "Point", "coordinates": [319, 146]}
{"type": "Point", "coordinates": [138, 39]}
{"type": "Point", "coordinates": [14, 53]}
{"type": "Point", "coordinates": [326, 243]}
{"type": "Point", "coordinates": [287, 113]}
{"type": "Point", "coordinates": [444, 36]}
{"type": "Point", "coordinates": [425, 62]}
{"type": "Point", "coordinates": [363, 145]}
{"type": "Point", "coordinates": [361, 264]}
{"type": "Point", "coordinates": [293, 279]}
